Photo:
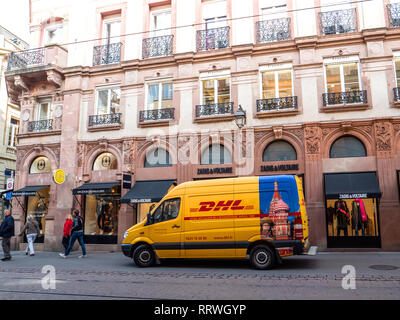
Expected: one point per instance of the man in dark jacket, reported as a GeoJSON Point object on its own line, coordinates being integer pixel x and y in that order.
{"type": "Point", "coordinates": [7, 231]}
{"type": "Point", "coordinates": [76, 234]}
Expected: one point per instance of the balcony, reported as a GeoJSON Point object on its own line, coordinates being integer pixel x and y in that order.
{"type": "Point", "coordinates": [40, 125]}
{"type": "Point", "coordinates": [338, 21]}
{"type": "Point", "coordinates": [156, 117]}
{"type": "Point", "coordinates": [157, 46]}
{"type": "Point", "coordinates": [107, 54]}
{"type": "Point", "coordinates": [51, 55]}
{"type": "Point", "coordinates": [276, 107]}
{"type": "Point", "coordinates": [210, 39]}
{"type": "Point", "coordinates": [393, 11]}
{"type": "Point", "coordinates": [99, 122]}
{"type": "Point", "coordinates": [345, 101]}
{"type": "Point", "coordinates": [273, 30]}
{"type": "Point", "coordinates": [214, 112]}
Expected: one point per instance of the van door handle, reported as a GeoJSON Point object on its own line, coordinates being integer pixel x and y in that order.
{"type": "Point", "coordinates": [175, 226]}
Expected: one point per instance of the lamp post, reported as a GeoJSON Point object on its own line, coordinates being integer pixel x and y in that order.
{"type": "Point", "coordinates": [240, 117]}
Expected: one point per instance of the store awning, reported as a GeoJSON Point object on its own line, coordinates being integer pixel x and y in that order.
{"type": "Point", "coordinates": [28, 191]}
{"type": "Point", "coordinates": [352, 185]}
{"type": "Point", "coordinates": [95, 188]}
{"type": "Point", "coordinates": [148, 191]}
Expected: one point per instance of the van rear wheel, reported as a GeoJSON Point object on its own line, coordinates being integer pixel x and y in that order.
{"type": "Point", "coordinates": [262, 257]}
{"type": "Point", "coordinates": [143, 256]}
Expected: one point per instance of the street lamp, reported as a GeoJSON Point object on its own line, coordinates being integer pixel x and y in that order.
{"type": "Point", "coordinates": [240, 117]}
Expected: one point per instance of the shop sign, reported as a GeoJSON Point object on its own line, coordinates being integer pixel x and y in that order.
{"type": "Point", "coordinates": [214, 170]}
{"type": "Point", "coordinates": [126, 181]}
{"type": "Point", "coordinates": [141, 201]}
{"type": "Point", "coordinates": [281, 167]}
{"type": "Point", "coordinates": [59, 176]}
{"type": "Point", "coordinates": [92, 191]}
{"type": "Point", "coordinates": [353, 195]}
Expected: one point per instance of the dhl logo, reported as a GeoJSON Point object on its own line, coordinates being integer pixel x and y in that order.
{"type": "Point", "coordinates": [220, 206]}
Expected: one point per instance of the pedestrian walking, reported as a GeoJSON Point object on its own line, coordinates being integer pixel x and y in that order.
{"type": "Point", "coordinates": [32, 229]}
{"type": "Point", "coordinates": [76, 233]}
{"type": "Point", "coordinates": [7, 231]}
{"type": "Point", "coordinates": [67, 231]}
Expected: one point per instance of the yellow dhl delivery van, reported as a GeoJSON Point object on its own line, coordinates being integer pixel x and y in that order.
{"type": "Point", "coordinates": [258, 218]}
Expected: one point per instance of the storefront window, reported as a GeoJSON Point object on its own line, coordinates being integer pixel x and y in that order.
{"type": "Point", "coordinates": [101, 215]}
{"type": "Point", "coordinates": [157, 158]}
{"type": "Point", "coordinates": [216, 154]}
{"type": "Point", "coordinates": [352, 217]}
{"type": "Point", "coordinates": [279, 151]}
{"type": "Point", "coordinates": [37, 206]}
{"type": "Point", "coordinates": [105, 161]}
{"type": "Point", "coordinates": [346, 147]}
{"type": "Point", "coordinates": [40, 165]}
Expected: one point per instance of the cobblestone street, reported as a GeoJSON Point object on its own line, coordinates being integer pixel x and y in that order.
{"type": "Point", "coordinates": [113, 276]}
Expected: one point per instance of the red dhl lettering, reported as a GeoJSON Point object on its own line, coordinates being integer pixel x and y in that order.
{"type": "Point", "coordinates": [223, 206]}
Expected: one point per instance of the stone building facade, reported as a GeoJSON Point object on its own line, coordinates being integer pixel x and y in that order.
{"type": "Point", "coordinates": [151, 88]}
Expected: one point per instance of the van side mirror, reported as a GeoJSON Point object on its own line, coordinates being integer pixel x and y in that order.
{"type": "Point", "coordinates": [149, 218]}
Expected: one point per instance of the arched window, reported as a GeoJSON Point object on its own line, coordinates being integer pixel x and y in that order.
{"type": "Point", "coordinates": [347, 147]}
{"type": "Point", "coordinates": [105, 161]}
{"type": "Point", "coordinates": [157, 158]}
{"type": "Point", "coordinates": [40, 165]}
{"type": "Point", "coordinates": [216, 154]}
{"type": "Point", "coordinates": [279, 151]}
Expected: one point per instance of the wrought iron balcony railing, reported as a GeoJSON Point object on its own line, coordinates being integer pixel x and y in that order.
{"type": "Point", "coordinates": [214, 109]}
{"type": "Point", "coordinates": [338, 21]}
{"type": "Point", "coordinates": [157, 46]}
{"type": "Point", "coordinates": [25, 59]}
{"type": "Point", "coordinates": [40, 125]}
{"type": "Point", "coordinates": [273, 30]}
{"type": "Point", "coordinates": [107, 54]}
{"type": "Point", "coordinates": [393, 11]}
{"type": "Point", "coordinates": [396, 93]}
{"type": "Point", "coordinates": [209, 39]}
{"type": "Point", "coordinates": [104, 119]}
{"type": "Point", "coordinates": [341, 98]}
{"type": "Point", "coordinates": [284, 103]}
{"type": "Point", "coordinates": [157, 114]}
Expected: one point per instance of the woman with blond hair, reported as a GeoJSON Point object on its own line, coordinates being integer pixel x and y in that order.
{"type": "Point", "coordinates": [67, 230]}
{"type": "Point", "coordinates": [32, 229]}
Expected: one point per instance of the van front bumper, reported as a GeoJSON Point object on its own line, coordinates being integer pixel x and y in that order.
{"type": "Point", "coordinates": [127, 250]}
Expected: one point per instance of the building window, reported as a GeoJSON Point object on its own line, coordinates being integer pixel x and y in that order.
{"type": "Point", "coordinates": [216, 90]}
{"type": "Point", "coordinates": [160, 23]}
{"type": "Point", "coordinates": [397, 69]}
{"type": "Point", "coordinates": [347, 147]}
{"type": "Point", "coordinates": [276, 83]}
{"type": "Point", "coordinates": [214, 14]}
{"type": "Point", "coordinates": [105, 161]}
{"type": "Point", "coordinates": [337, 16]}
{"type": "Point", "coordinates": [393, 10]}
{"type": "Point", "coordinates": [108, 101]}
{"type": "Point", "coordinates": [274, 9]}
{"type": "Point", "coordinates": [37, 207]}
{"type": "Point", "coordinates": [53, 34]}
{"type": "Point", "coordinates": [157, 158]}
{"type": "Point", "coordinates": [159, 95]}
{"type": "Point", "coordinates": [40, 165]}
{"type": "Point", "coordinates": [342, 77]}
{"type": "Point", "coordinates": [111, 29]}
{"type": "Point", "coordinates": [12, 133]}
{"type": "Point", "coordinates": [279, 151]}
{"type": "Point", "coordinates": [44, 111]}
{"type": "Point", "coordinates": [216, 154]}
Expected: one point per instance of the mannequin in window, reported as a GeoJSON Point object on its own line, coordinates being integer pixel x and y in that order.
{"type": "Point", "coordinates": [359, 218]}
{"type": "Point", "coordinates": [342, 216]}
{"type": "Point", "coordinates": [101, 209]}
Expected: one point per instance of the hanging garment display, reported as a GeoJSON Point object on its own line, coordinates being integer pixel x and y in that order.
{"type": "Point", "coordinates": [342, 216]}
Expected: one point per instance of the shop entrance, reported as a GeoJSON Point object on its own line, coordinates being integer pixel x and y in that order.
{"type": "Point", "coordinates": [352, 210]}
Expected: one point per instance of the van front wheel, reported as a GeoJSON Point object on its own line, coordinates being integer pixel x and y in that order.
{"type": "Point", "coordinates": [262, 257]}
{"type": "Point", "coordinates": [143, 256]}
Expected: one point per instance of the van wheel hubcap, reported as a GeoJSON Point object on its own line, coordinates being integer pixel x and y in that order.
{"type": "Point", "coordinates": [261, 257]}
{"type": "Point", "coordinates": [144, 256]}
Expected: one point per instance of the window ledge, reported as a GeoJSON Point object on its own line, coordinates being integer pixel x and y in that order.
{"type": "Point", "coordinates": [227, 117]}
{"type": "Point", "coordinates": [156, 123]}
{"type": "Point", "coordinates": [107, 127]}
{"type": "Point", "coordinates": [346, 107]}
{"type": "Point", "coordinates": [396, 104]}
{"type": "Point", "coordinates": [277, 113]}
{"type": "Point", "coordinates": [39, 134]}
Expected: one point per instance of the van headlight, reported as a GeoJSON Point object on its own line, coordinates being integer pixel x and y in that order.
{"type": "Point", "coordinates": [125, 235]}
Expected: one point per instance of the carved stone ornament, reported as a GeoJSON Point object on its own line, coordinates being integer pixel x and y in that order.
{"type": "Point", "coordinates": [383, 136]}
{"type": "Point", "coordinates": [81, 154]}
{"type": "Point", "coordinates": [313, 139]}
{"type": "Point", "coordinates": [127, 151]}
{"type": "Point", "coordinates": [277, 132]}
{"type": "Point", "coordinates": [54, 78]}
{"type": "Point", "coordinates": [20, 83]}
